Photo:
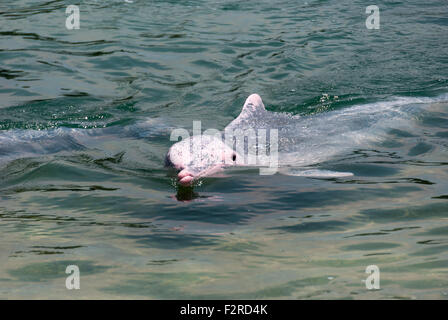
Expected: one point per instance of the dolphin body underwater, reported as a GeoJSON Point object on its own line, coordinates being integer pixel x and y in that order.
{"type": "Point", "coordinates": [302, 141]}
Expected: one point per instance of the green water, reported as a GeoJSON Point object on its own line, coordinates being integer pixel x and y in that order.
{"type": "Point", "coordinates": [111, 208]}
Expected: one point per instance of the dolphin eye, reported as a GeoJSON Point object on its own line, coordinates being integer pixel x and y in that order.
{"type": "Point", "coordinates": [234, 157]}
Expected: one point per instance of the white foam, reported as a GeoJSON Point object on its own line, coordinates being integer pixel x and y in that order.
{"type": "Point", "coordinates": [316, 173]}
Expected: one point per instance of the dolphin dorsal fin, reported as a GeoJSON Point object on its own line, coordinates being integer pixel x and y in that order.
{"type": "Point", "coordinates": [253, 104]}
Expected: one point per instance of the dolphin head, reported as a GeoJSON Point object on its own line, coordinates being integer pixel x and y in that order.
{"type": "Point", "coordinates": [203, 155]}
{"type": "Point", "coordinates": [199, 156]}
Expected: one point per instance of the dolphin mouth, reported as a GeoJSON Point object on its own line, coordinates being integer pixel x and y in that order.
{"type": "Point", "coordinates": [185, 178]}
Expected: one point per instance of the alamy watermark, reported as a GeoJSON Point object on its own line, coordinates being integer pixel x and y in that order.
{"type": "Point", "coordinates": [73, 281]}
{"type": "Point", "coordinates": [73, 16]}
{"type": "Point", "coordinates": [373, 20]}
{"type": "Point", "coordinates": [73, 21]}
{"type": "Point", "coordinates": [250, 147]}
{"type": "Point", "coordinates": [373, 280]}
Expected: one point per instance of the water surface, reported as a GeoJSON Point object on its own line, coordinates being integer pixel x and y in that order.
{"type": "Point", "coordinates": [104, 202]}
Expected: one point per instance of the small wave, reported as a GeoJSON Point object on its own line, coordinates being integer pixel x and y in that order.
{"type": "Point", "coordinates": [19, 143]}
{"type": "Point", "coordinates": [309, 138]}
